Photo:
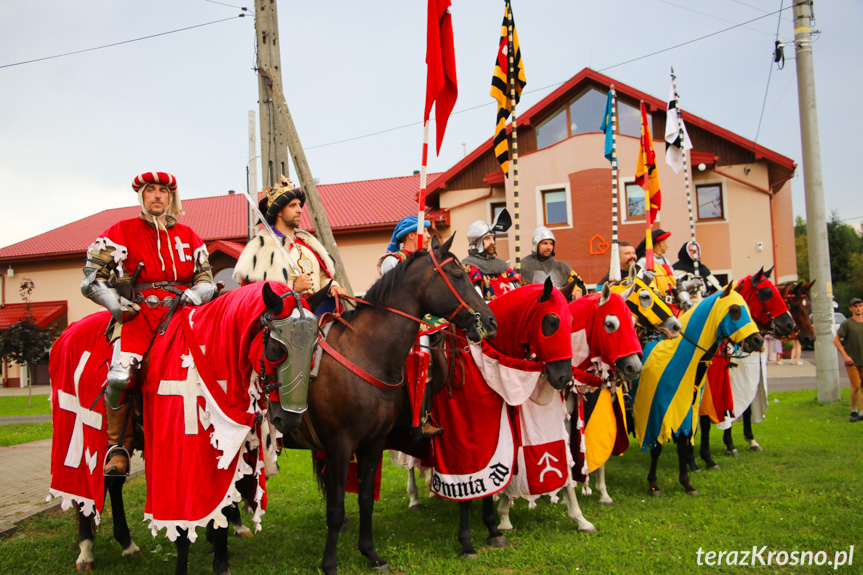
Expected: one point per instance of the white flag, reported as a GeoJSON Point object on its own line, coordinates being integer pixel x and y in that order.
{"type": "Point", "coordinates": [675, 148]}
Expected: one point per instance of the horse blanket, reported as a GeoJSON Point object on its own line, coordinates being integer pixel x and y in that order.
{"type": "Point", "coordinates": [202, 412]}
{"type": "Point", "coordinates": [505, 428]}
{"type": "Point", "coordinates": [717, 399]}
{"type": "Point", "coordinates": [669, 389]}
{"type": "Point", "coordinates": [749, 388]}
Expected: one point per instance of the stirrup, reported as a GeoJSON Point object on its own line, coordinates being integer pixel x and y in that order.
{"type": "Point", "coordinates": [113, 451]}
{"type": "Point", "coordinates": [429, 430]}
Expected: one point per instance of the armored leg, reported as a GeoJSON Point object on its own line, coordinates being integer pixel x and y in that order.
{"type": "Point", "coordinates": [121, 379]}
{"type": "Point", "coordinates": [418, 383]}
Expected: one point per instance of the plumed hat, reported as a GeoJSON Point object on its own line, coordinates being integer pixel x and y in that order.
{"type": "Point", "coordinates": [163, 178]}
{"type": "Point", "coordinates": [275, 199]}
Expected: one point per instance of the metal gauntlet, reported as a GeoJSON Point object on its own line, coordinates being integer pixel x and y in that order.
{"type": "Point", "coordinates": [199, 293]}
{"type": "Point", "coordinates": [101, 292]}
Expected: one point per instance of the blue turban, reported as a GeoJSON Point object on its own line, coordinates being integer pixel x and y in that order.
{"type": "Point", "coordinates": [403, 228]}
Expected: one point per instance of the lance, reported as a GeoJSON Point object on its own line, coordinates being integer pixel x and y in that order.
{"type": "Point", "coordinates": [270, 231]}
{"type": "Point", "coordinates": [614, 269]}
{"type": "Point", "coordinates": [511, 79]}
{"type": "Point", "coordinates": [681, 136]}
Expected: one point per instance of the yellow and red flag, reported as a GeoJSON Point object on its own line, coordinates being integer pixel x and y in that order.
{"type": "Point", "coordinates": [646, 173]}
{"type": "Point", "coordinates": [501, 87]}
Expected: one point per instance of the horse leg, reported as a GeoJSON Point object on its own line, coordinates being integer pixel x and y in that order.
{"type": "Point", "coordinates": [495, 537]}
{"type": "Point", "coordinates": [338, 459]}
{"type": "Point", "coordinates": [467, 549]}
{"type": "Point", "coordinates": [503, 512]}
{"type": "Point", "coordinates": [232, 512]}
{"type": "Point", "coordinates": [655, 452]}
{"type": "Point", "coordinates": [367, 465]}
{"type": "Point", "coordinates": [604, 498]}
{"type": "Point", "coordinates": [218, 538]}
{"type": "Point", "coordinates": [85, 560]}
{"type": "Point", "coordinates": [413, 491]}
{"type": "Point", "coordinates": [684, 452]}
{"type": "Point", "coordinates": [182, 546]}
{"type": "Point", "coordinates": [573, 511]}
{"type": "Point", "coordinates": [729, 444]}
{"type": "Point", "coordinates": [747, 430]}
{"type": "Point", "coordinates": [114, 485]}
{"type": "Point", "coordinates": [705, 443]}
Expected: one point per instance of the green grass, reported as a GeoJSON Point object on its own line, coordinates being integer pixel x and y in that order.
{"type": "Point", "coordinates": [797, 495]}
{"type": "Point", "coordinates": [18, 433]}
{"type": "Point", "coordinates": [13, 405]}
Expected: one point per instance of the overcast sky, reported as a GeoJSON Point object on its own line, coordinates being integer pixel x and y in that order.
{"type": "Point", "coordinates": [75, 130]}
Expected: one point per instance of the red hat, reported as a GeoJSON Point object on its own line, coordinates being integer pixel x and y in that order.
{"type": "Point", "coordinates": [165, 178]}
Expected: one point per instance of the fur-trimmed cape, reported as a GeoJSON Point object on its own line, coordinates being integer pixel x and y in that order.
{"type": "Point", "coordinates": [263, 260]}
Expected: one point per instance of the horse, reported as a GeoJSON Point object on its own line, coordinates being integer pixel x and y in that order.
{"type": "Point", "coordinates": [603, 342]}
{"type": "Point", "coordinates": [744, 383]}
{"type": "Point", "coordinates": [202, 407]}
{"type": "Point", "coordinates": [529, 357]}
{"type": "Point", "coordinates": [796, 296]}
{"type": "Point", "coordinates": [672, 379]}
{"type": "Point", "coordinates": [652, 313]}
{"type": "Point", "coordinates": [357, 394]}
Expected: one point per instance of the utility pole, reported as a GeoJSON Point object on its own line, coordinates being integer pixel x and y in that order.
{"type": "Point", "coordinates": [252, 186]}
{"type": "Point", "coordinates": [307, 182]}
{"type": "Point", "coordinates": [274, 146]}
{"type": "Point", "coordinates": [826, 362]}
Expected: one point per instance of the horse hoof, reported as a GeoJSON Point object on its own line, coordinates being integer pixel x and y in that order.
{"type": "Point", "coordinates": [694, 470]}
{"type": "Point", "coordinates": [468, 555]}
{"type": "Point", "coordinates": [756, 447]}
{"type": "Point", "coordinates": [714, 467]}
{"type": "Point", "coordinates": [498, 542]}
{"type": "Point", "coordinates": [417, 507]}
{"type": "Point", "coordinates": [383, 569]}
{"type": "Point", "coordinates": [692, 492]}
{"type": "Point", "coordinates": [84, 566]}
{"type": "Point", "coordinates": [732, 452]}
{"type": "Point", "coordinates": [655, 492]}
{"type": "Point", "coordinates": [589, 528]}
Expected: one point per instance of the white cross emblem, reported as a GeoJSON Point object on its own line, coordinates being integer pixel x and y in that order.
{"type": "Point", "coordinates": [548, 458]}
{"type": "Point", "coordinates": [181, 249]}
{"type": "Point", "coordinates": [190, 390]}
{"type": "Point", "coordinates": [83, 416]}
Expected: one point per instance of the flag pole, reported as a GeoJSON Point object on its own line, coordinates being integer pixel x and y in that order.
{"type": "Point", "coordinates": [614, 269]}
{"type": "Point", "coordinates": [682, 136]}
{"type": "Point", "coordinates": [648, 240]}
{"type": "Point", "coordinates": [422, 198]}
{"type": "Point", "coordinates": [511, 80]}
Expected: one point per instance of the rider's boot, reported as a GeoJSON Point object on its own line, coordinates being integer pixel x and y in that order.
{"type": "Point", "coordinates": [121, 378]}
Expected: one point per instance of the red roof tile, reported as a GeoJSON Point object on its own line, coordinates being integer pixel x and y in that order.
{"type": "Point", "coordinates": [371, 204]}
{"type": "Point", "coordinates": [44, 312]}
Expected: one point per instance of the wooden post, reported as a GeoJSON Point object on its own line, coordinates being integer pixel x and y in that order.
{"type": "Point", "coordinates": [307, 182]}
{"type": "Point", "coordinates": [274, 146]}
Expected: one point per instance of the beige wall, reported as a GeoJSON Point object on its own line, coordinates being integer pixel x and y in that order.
{"type": "Point", "coordinates": [462, 217]}
{"type": "Point", "coordinates": [786, 249]}
{"type": "Point", "coordinates": [360, 253]}
{"type": "Point", "coordinates": [55, 280]}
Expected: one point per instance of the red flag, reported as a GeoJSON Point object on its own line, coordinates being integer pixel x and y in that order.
{"type": "Point", "coordinates": [646, 174]}
{"type": "Point", "coordinates": [441, 85]}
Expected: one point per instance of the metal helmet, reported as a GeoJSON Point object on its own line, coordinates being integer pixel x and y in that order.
{"type": "Point", "coordinates": [476, 233]}
{"type": "Point", "coordinates": [541, 233]}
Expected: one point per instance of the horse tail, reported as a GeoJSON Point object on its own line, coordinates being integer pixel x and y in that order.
{"type": "Point", "coordinates": [318, 466]}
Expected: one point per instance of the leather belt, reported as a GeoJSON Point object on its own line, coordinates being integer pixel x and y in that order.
{"type": "Point", "coordinates": [152, 301]}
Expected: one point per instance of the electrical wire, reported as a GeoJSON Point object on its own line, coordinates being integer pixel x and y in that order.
{"type": "Point", "coordinates": [769, 76]}
{"type": "Point", "coordinates": [243, 8]}
{"type": "Point", "coordinates": [121, 43]}
{"type": "Point", "coordinates": [682, 7]}
{"type": "Point", "coordinates": [556, 84]}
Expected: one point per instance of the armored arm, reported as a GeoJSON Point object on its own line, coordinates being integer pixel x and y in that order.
{"type": "Point", "coordinates": [100, 291]}
{"type": "Point", "coordinates": [203, 286]}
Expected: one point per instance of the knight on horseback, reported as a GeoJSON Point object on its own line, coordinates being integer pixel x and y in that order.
{"type": "Point", "coordinates": [141, 270]}
{"type": "Point", "coordinates": [541, 264]}
{"type": "Point", "coordinates": [490, 274]}
{"type": "Point", "coordinates": [402, 246]}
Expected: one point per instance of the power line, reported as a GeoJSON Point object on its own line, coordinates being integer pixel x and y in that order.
{"type": "Point", "coordinates": [769, 76]}
{"type": "Point", "coordinates": [243, 8]}
{"type": "Point", "coordinates": [556, 84]}
{"type": "Point", "coordinates": [682, 7]}
{"type": "Point", "coordinates": [121, 43]}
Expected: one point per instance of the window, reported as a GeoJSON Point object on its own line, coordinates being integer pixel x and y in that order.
{"type": "Point", "coordinates": [629, 119]}
{"type": "Point", "coordinates": [634, 201]}
{"type": "Point", "coordinates": [554, 212]}
{"type": "Point", "coordinates": [586, 112]}
{"type": "Point", "coordinates": [495, 208]}
{"type": "Point", "coordinates": [552, 130]}
{"type": "Point", "coordinates": [710, 202]}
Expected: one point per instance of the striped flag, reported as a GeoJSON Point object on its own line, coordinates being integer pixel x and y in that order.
{"type": "Point", "coordinates": [646, 173]}
{"type": "Point", "coordinates": [607, 126]}
{"type": "Point", "coordinates": [676, 139]}
{"type": "Point", "coordinates": [441, 84]}
{"type": "Point", "coordinates": [500, 86]}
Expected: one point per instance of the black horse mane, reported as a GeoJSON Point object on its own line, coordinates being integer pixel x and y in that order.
{"type": "Point", "coordinates": [382, 289]}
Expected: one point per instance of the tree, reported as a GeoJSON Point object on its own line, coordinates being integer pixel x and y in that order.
{"type": "Point", "coordinates": [25, 342]}
{"type": "Point", "coordinates": [846, 258]}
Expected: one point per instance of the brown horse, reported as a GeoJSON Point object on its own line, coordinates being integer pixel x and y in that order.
{"type": "Point", "coordinates": [347, 415]}
{"type": "Point", "coordinates": [796, 296]}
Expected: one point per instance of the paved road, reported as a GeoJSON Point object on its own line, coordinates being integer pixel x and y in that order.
{"type": "Point", "coordinates": [23, 493]}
